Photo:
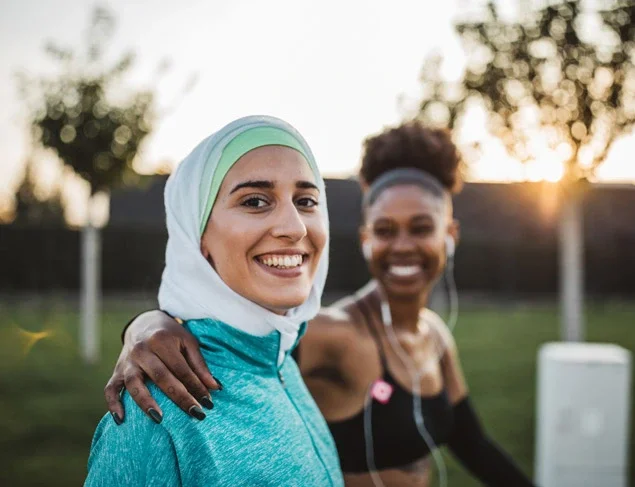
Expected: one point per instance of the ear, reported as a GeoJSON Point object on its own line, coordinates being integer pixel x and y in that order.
{"type": "Point", "coordinates": [454, 230]}
{"type": "Point", "coordinates": [365, 242]}
{"type": "Point", "coordinates": [205, 252]}
{"type": "Point", "coordinates": [363, 184]}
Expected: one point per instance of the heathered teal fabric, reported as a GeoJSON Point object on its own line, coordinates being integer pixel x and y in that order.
{"type": "Point", "coordinates": [261, 432]}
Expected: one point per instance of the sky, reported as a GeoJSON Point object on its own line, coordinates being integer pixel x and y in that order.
{"type": "Point", "coordinates": [337, 70]}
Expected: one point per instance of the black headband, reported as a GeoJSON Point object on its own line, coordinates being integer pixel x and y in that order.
{"type": "Point", "coordinates": [403, 175]}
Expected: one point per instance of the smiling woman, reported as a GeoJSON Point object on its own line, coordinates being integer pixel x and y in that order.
{"type": "Point", "coordinates": [242, 240]}
{"type": "Point", "coordinates": [383, 369]}
{"type": "Point", "coordinates": [407, 222]}
{"type": "Point", "coordinates": [245, 268]}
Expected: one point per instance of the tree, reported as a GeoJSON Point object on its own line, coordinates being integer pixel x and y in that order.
{"type": "Point", "coordinates": [34, 209]}
{"type": "Point", "coordinates": [561, 75]}
{"type": "Point", "coordinates": [74, 114]}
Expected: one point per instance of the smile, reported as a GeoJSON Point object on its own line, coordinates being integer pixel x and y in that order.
{"type": "Point", "coordinates": [404, 270]}
{"type": "Point", "coordinates": [280, 261]}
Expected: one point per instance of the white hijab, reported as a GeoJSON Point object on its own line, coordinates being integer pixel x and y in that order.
{"type": "Point", "coordinates": [190, 287]}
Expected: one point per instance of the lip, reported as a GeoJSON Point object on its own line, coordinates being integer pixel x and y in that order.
{"type": "Point", "coordinates": [304, 253]}
{"type": "Point", "coordinates": [404, 263]}
{"type": "Point", "coordinates": [285, 273]}
{"type": "Point", "coordinates": [405, 279]}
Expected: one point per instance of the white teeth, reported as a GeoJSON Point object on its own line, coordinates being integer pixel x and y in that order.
{"type": "Point", "coordinates": [282, 261]}
{"type": "Point", "coordinates": [404, 270]}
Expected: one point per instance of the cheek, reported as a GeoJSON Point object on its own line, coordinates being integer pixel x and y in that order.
{"type": "Point", "coordinates": [316, 232]}
{"type": "Point", "coordinates": [432, 246]}
{"type": "Point", "coordinates": [379, 249]}
{"type": "Point", "coordinates": [433, 251]}
{"type": "Point", "coordinates": [227, 248]}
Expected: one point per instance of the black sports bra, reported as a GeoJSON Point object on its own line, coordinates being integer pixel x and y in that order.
{"type": "Point", "coordinates": [396, 441]}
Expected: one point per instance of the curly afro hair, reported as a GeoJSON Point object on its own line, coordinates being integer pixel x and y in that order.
{"type": "Point", "coordinates": [413, 145]}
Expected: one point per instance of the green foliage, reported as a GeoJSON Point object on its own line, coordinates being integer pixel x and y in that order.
{"type": "Point", "coordinates": [33, 209]}
{"type": "Point", "coordinates": [74, 115]}
{"type": "Point", "coordinates": [562, 72]}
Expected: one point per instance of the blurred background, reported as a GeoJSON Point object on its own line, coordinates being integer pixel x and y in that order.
{"type": "Point", "coordinates": [101, 101]}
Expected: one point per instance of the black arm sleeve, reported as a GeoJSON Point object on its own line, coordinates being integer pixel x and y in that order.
{"type": "Point", "coordinates": [479, 454]}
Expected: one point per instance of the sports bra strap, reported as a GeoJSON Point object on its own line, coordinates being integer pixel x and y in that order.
{"type": "Point", "coordinates": [366, 313]}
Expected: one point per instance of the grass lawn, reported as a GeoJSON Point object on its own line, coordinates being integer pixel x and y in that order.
{"type": "Point", "coordinates": [51, 402]}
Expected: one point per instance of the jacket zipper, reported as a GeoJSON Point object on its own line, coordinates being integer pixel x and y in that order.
{"type": "Point", "coordinates": [284, 387]}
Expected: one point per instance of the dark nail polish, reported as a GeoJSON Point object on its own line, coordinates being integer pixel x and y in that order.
{"type": "Point", "coordinates": [116, 417]}
{"type": "Point", "coordinates": [154, 414]}
{"type": "Point", "coordinates": [206, 402]}
{"type": "Point", "coordinates": [220, 386]}
{"type": "Point", "coordinates": [197, 413]}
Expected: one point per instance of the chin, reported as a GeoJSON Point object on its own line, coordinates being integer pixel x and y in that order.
{"type": "Point", "coordinates": [403, 296]}
{"type": "Point", "coordinates": [282, 304]}
{"type": "Point", "coordinates": [405, 293]}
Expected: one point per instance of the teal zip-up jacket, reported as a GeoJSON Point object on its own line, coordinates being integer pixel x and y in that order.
{"type": "Point", "coordinates": [265, 428]}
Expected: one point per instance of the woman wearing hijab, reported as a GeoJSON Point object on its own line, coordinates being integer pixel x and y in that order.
{"type": "Point", "coordinates": [246, 262]}
{"type": "Point", "coordinates": [383, 369]}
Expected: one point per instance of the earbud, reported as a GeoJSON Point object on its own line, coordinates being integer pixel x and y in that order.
{"type": "Point", "coordinates": [367, 250]}
{"type": "Point", "coordinates": [449, 246]}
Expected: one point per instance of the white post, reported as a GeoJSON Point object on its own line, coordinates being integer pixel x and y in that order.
{"type": "Point", "coordinates": [583, 408]}
{"type": "Point", "coordinates": [572, 268]}
{"type": "Point", "coordinates": [90, 279]}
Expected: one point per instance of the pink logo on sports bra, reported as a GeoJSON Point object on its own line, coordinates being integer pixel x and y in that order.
{"type": "Point", "coordinates": [381, 391]}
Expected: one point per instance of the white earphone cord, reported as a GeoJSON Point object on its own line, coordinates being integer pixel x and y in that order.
{"type": "Point", "coordinates": [453, 295]}
{"type": "Point", "coordinates": [417, 409]}
{"type": "Point", "coordinates": [453, 298]}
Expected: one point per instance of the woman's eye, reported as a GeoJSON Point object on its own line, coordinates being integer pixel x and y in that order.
{"type": "Point", "coordinates": [383, 232]}
{"type": "Point", "coordinates": [421, 230]}
{"type": "Point", "coordinates": [307, 202]}
{"type": "Point", "coordinates": [254, 202]}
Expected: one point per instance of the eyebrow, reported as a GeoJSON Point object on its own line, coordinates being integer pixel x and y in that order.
{"type": "Point", "coordinates": [422, 217]}
{"type": "Point", "coordinates": [415, 218]}
{"type": "Point", "coordinates": [262, 184]}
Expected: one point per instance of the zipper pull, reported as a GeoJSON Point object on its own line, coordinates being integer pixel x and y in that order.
{"type": "Point", "coordinates": [281, 377]}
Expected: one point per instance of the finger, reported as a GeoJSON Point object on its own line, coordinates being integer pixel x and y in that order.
{"type": "Point", "coordinates": [112, 393]}
{"type": "Point", "coordinates": [133, 380]}
{"type": "Point", "coordinates": [182, 372]}
{"type": "Point", "coordinates": [161, 375]}
{"type": "Point", "coordinates": [192, 354]}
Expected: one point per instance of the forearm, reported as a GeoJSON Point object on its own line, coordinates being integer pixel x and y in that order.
{"type": "Point", "coordinates": [479, 454]}
{"type": "Point", "coordinates": [142, 320]}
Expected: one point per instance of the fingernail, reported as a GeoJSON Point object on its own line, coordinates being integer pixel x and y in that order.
{"type": "Point", "coordinates": [197, 413]}
{"type": "Point", "coordinates": [206, 401]}
{"type": "Point", "coordinates": [220, 386]}
{"type": "Point", "coordinates": [116, 417]}
{"type": "Point", "coordinates": [154, 414]}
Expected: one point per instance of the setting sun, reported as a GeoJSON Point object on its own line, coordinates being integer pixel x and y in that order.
{"type": "Point", "coordinates": [544, 170]}
{"type": "Point", "coordinates": [493, 164]}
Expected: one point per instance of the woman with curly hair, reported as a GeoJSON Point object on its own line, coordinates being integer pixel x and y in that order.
{"type": "Point", "coordinates": [382, 367]}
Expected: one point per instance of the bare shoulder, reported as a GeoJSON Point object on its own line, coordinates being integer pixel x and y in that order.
{"type": "Point", "coordinates": [337, 321]}
{"type": "Point", "coordinates": [450, 363]}
{"type": "Point", "coordinates": [441, 331]}
{"type": "Point", "coordinates": [334, 330]}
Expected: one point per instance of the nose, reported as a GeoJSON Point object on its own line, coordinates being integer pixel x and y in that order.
{"type": "Point", "coordinates": [288, 223]}
{"type": "Point", "coordinates": [403, 242]}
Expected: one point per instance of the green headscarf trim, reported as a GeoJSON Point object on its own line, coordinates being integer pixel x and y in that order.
{"type": "Point", "coordinates": [238, 147]}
